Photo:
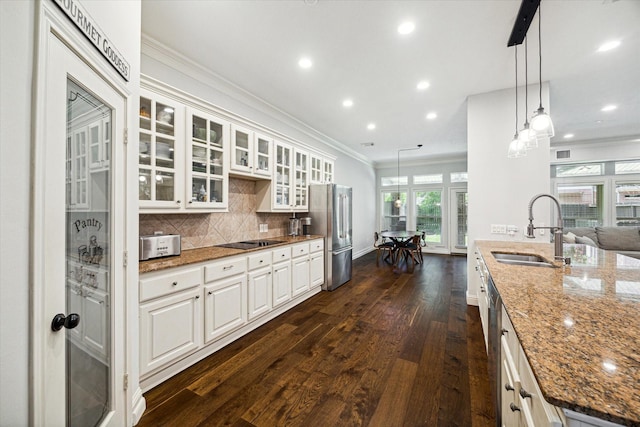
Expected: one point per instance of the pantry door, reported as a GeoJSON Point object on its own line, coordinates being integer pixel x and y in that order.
{"type": "Point", "coordinates": [78, 245]}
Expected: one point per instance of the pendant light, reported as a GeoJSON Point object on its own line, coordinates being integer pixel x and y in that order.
{"type": "Point", "coordinates": [398, 202]}
{"type": "Point", "coordinates": [541, 122]}
{"type": "Point", "coordinates": [527, 135]}
{"type": "Point", "coordinates": [516, 147]}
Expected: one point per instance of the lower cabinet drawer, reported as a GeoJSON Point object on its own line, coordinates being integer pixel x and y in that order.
{"type": "Point", "coordinates": [155, 285]}
{"type": "Point", "coordinates": [226, 267]}
{"type": "Point", "coordinates": [300, 249]}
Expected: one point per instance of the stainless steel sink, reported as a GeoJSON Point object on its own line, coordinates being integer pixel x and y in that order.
{"type": "Point", "coordinates": [522, 259]}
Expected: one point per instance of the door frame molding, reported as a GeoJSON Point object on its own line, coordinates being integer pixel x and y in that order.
{"type": "Point", "coordinates": [51, 22]}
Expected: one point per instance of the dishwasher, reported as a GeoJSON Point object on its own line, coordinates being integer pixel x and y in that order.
{"type": "Point", "coordinates": [494, 346]}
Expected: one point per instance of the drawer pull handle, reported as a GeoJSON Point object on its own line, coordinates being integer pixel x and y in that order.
{"type": "Point", "coordinates": [197, 296]}
{"type": "Point", "coordinates": [283, 255]}
{"type": "Point", "coordinates": [210, 293]}
{"type": "Point", "coordinates": [174, 283]}
{"type": "Point", "coordinates": [228, 267]}
{"type": "Point", "coordinates": [524, 393]}
{"type": "Point", "coordinates": [508, 387]}
{"type": "Point", "coordinates": [261, 261]}
{"type": "Point", "coordinates": [504, 331]}
{"type": "Point", "coordinates": [514, 407]}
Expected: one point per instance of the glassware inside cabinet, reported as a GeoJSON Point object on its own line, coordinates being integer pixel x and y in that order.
{"type": "Point", "coordinates": [164, 185]}
{"type": "Point", "coordinates": [263, 154]}
{"type": "Point", "coordinates": [215, 134]}
{"type": "Point", "coordinates": [144, 184]}
{"type": "Point", "coordinates": [215, 184]}
{"type": "Point", "coordinates": [215, 162]}
{"type": "Point", "coordinates": [164, 152]}
{"type": "Point", "coordinates": [145, 113]}
{"type": "Point", "coordinates": [199, 128]}
{"type": "Point", "coordinates": [144, 149]}
{"type": "Point", "coordinates": [164, 119]}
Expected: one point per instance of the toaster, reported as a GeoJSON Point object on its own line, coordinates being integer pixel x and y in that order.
{"type": "Point", "coordinates": [159, 245]}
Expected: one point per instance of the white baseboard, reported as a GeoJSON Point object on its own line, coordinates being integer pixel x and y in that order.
{"type": "Point", "coordinates": [362, 252]}
{"type": "Point", "coordinates": [139, 404]}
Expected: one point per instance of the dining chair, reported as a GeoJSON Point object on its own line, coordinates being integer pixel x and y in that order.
{"type": "Point", "coordinates": [412, 249]}
{"type": "Point", "coordinates": [382, 246]}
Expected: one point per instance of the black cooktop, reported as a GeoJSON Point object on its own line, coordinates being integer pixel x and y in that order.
{"type": "Point", "coordinates": [249, 244]}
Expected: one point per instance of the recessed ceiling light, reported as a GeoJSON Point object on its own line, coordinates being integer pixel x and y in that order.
{"type": "Point", "coordinates": [371, 126]}
{"type": "Point", "coordinates": [406, 27]}
{"type": "Point", "coordinates": [432, 115]}
{"type": "Point", "coordinates": [610, 107]}
{"type": "Point", "coordinates": [568, 136]}
{"type": "Point", "coordinates": [347, 103]}
{"type": "Point", "coordinates": [609, 45]}
{"type": "Point", "coordinates": [423, 85]}
{"type": "Point", "coordinates": [305, 63]}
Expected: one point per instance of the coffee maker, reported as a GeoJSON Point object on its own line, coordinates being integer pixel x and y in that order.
{"type": "Point", "coordinates": [306, 225]}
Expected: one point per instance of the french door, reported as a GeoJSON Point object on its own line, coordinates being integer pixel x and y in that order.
{"type": "Point", "coordinates": [458, 200]}
{"type": "Point", "coordinates": [77, 244]}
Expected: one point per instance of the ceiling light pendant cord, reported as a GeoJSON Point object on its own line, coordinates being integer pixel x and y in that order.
{"type": "Point", "coordinates": [516, 50]}
{"type": "Point", "coordinates": [540, 54]}
{"type": "Point", "coordinates": [541, 122]}
{"type": "Point", "coordinates": [527, 135]}
{"type": "Point", "coordinates": [516, 147]}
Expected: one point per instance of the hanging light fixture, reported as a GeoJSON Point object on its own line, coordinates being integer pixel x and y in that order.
{"type": "Point", "coordinates": [526, 134]}
{"type": "Point", "coordinates": [398, 202]}
{"type": "Point", "coordinates": [541, 122]}
{"type": "Point", "coordinates": [516, 147]}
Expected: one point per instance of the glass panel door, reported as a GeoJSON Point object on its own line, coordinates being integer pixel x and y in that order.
{"type": "Point", "coordinates": [428, 205]}
{"type": "Point", "coordinates": [88, 260]}
{"type": "Point", "coordinates": [582, 204]}
{"type": "Point", "coordinates": [394, 216]}
{"type": "Point", "coordinates": [458, 220]}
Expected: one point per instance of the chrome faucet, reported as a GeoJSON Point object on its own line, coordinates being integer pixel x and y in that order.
{"type": "Point", "coordinates": [557, 230]}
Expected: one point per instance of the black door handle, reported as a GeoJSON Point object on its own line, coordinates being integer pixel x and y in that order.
{"type": "Point", "coordinates": [69, 322]}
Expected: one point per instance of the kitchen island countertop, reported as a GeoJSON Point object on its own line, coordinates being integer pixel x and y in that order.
{"type": "Point", "coordinates": [578, 325]}
{"type": "Point", "coordinates": [209, 253]}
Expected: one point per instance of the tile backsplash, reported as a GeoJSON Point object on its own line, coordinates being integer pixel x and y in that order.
{"type": "Point", "coordinates": [206, 229]}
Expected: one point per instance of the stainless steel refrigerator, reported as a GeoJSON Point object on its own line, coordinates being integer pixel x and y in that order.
{"type": "Point", "coordinates": [330, 212]}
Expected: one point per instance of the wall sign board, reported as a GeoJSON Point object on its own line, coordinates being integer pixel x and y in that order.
{"type": "Point", "coordinates": [87, 25]}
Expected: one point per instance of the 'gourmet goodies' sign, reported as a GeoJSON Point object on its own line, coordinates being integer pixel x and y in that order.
{"type": "Point", "coordinates": [74, 10]}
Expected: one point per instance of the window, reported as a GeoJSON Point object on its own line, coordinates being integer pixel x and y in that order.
{"type": "Point", "coordinates": [394, 218]}
{"type": "Point", "coordinates": [627, 203]}
{"type": "Point", "coordinates": [581, 204]}
{"type": "Point", "coordinates": [585, 169]}
{"type": "Point", "coordinates": [627, 167]}
{"type": "Point", "coordinates": [429, 214]}
{"type": "Point", "coordinates": [459, 177]}
{"type": "Point", "coordinates": [428, 179]}
{"type": "Point", "coordinates": [387, 181]}
{"type": "Point", "coordinates": [462, 201]}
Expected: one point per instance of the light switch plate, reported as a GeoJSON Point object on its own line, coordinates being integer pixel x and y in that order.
{"type": "Point", "coordinates": [498, 229]}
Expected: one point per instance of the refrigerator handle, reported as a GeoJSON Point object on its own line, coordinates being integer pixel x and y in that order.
{"type": "Point", "coordinates": [340, 216]}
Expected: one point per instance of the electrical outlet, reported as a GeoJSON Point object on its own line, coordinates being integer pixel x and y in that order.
{"type": "Point", "coordinates": [541, 231]}
{"type": "Point", "coordinates": [264, 228]}
{"type": "Point", "coordinates": [498, 229]}
{"type": "Point", "coordinates": [512, 230]}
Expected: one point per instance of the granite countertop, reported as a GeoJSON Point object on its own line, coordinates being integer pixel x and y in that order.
{"type": "Point", "coordinates": [578, 326]}
{"type": "Point", "coordinates": [192, 256]}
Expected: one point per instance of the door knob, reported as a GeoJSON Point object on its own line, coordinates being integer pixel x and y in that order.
{"type": "Point", "coordinates": [69, 322]}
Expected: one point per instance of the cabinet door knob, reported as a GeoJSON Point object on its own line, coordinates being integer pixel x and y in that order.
{"type": "Point", "coordinates": [504, 331]}
{"type": "Point", "coordinates": [210, 293]}
{"type": "Point", "coordinates": [197, 296]}
{"type": "Point", "coordinates": [174, 284]}
{"type": "Point", "coordinates": [508, 387]}
{"type": "Point", "coordinates": [514, 407]}
{"type": "Point", "coordinates": [524, 393]}
{"type": "Point", "coordinates": [178, 201]}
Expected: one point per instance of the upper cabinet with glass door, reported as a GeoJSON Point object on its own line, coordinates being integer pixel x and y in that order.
{"type": "Point", "coordinates": [301, 181]}
{"type": "Point", "coordinates": [320, 169]}
{"type": "Point", "coordinates": [250, 153]}
{"type": "Point", "coordinates": [207, 183]}
{"type": "Point", "coordinates": [161, 153]}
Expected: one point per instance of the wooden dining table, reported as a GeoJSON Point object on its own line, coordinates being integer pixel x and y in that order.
{"type": "Point", "coordinates": [399, 238]}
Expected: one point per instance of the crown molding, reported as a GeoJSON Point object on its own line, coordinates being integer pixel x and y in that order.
{"type": "Point", "coordinates": [423, 161]}
{"type": "Point", "coordinates": [627, 139]}
{"type": "Point", "coordinates": [154, 49]}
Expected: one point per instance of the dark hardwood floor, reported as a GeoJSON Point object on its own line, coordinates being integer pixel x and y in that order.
{"type": "Point", "coordinates": [390, 348]}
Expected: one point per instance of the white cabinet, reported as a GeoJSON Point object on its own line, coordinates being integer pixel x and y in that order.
{"type": "Point", "coordinates": [289, 188]}
{"type": "Point", "coordinates": [320, 169]}
{"type": "Point", "coordinates": [95, 328]}
{"type": "Point", "coordinates": [483, 297]}
{"type": "Point", "coordinates": [250, 152]}
{"type": "Point", "coordinates": [522, 402]}
{"type": "Point", "coordinates": [207, 162]}
{"type": "Point", "coordinates": [170, 327]}
{"type": "Point", "coordinates": [225, 306]}
{"type": "Point", "coordinates": [259, 283]}
{"type": "Point", "coordinates": [225, 296]}
{"type": "Point", "coordinates": [281, 279]}
{"type": "Point", "coordinates": [99, 135]}
{"type": "Point", "coordinates": [161, 153]}
{"type": "Point", "coordinates": [316, 263]}
{"type": "Point", "coordinates": [300, 269]}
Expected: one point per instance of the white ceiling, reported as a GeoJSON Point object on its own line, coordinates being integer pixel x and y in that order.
{"type": "Point", "coordinates": [460, 47]}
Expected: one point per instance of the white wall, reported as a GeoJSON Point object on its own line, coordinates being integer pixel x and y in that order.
{"type": "Point", "coordinates": [16, 41]}
{"type": "Point", "coordinates": [590, 150]}
{"type": "Point", "coordinates": [500, 188]}
{"type": "Point", "coordinates": [179, 72]}
{"type": "Point", "coordinates": [121, 21]}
